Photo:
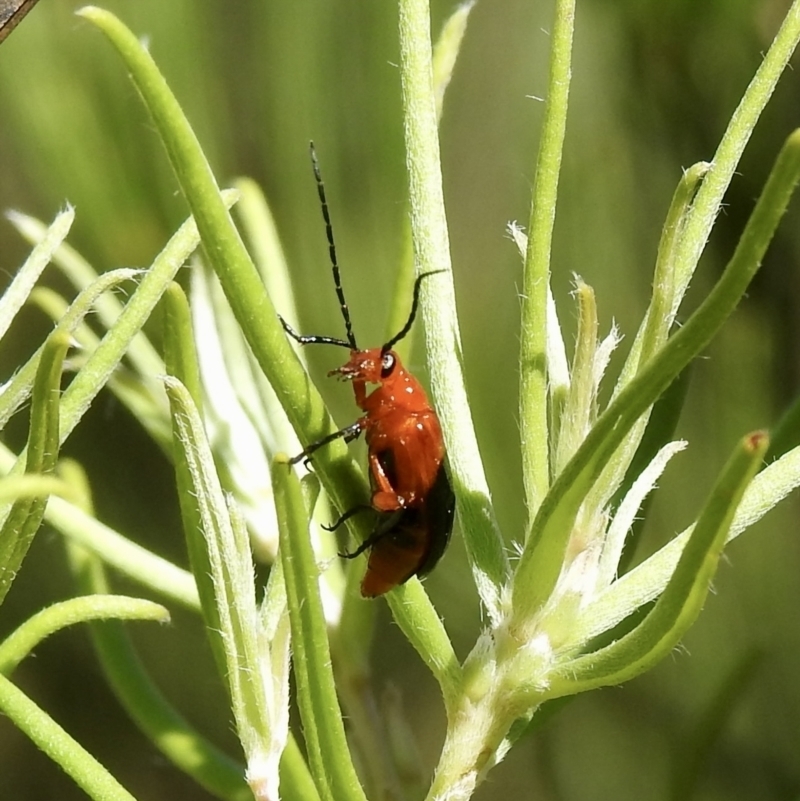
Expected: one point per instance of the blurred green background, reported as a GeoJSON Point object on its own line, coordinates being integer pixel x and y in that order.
{"type": "Point", "coordinates": [655, 82]}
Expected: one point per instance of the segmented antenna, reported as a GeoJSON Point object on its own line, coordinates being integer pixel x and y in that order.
{"type": "Point", "coordinates": [414, 303]}
{"type": "Point", "coordinates": [337, 280]}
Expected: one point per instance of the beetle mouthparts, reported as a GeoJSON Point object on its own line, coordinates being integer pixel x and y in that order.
{"type": "Point", "coordinates": [344, 373]}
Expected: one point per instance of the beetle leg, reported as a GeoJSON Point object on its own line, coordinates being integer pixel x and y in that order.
{"type": "Point", "coordinates": [385, 498]}
{"type": "Point", "coordinates": [348, 434]}
{"type": "Point", "coordinates": [360, 391]}
{"type": "Point", "coordinates": [361, 507]}
{"type": "Point", "coordinates": [385, 527]}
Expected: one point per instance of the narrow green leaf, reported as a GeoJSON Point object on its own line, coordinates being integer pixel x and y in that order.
{"type": "Point", "coordinates": [710, 196]}
{"type": "Point", "coordinates": [18, 389]}
{"type": "Point", "coordinates": [684, 596]}
{"type": "Point", "coordinates": [579, 404]}
{"type": "Point", "coordinates": [556, 517]}
{"type": "Point", "coordinates": [445, 54]}
{"type": "Point", "coordinates": [24, 281]}
{"type": "Point", "coordinates": [432, 252]}
{"type": "Point", "coordinates": [180, 354]}
{"type": "Point", "coordinates": [141, 353]}
{"type": "Point", "coordinates": [181, 362]}
{"type": "Point", "coordinates": [130, 682]}
{"type": "Point", "coordinates": [26, 637]}
{"type": "Point", "coordinates": [25, 515]}
{"type": "Point", "coordinates": [233, 617]}
{"type": "Point", "coordinates": [446, 50]}
{"type": "Point", "coordinates": [130, 559]}
{"type": "Point", "coordinates": [66, 752]}
{"type": "Point", "coordinates": [296, 781]}
{"type": "Point", "coordinates": [326, 743]}
{"type": "Point", "coordinates": [536, 275]}
{"type": "Point", "coordinates": [665, 300]}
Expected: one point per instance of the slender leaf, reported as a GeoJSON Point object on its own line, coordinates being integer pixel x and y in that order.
{"type": "Point", "coordinates": [132, 560]}
{"type": "Point", "coordinates": [17, 293]}
{"type": "Point", "coordinates": [555, 519]}
{"type": "Point", "coordinates": [26, 637]}
{"type": "Point", "coordinates": [155, 716]}
{"type": "Point", "coordinates": [536, 277]}
{"type": "Point", "coordinates": [328, 755]}
{"type": "Point", "coordinates": [431, 252]}
{"type": "Point", "coordinates": [684, 595]}
{"type": "Point", "coordinates": [66, 752]}
{"type": "Point", "coordinates": [25, 515]}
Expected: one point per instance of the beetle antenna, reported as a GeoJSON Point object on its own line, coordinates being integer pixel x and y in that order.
{"type": "Point", "coordinates": [414, 304]}
{"type": "Point", "coordinates": [337, 280]}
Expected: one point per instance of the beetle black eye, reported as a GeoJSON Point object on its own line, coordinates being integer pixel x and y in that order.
{"type": "Point", "coordinates": [387, 364]}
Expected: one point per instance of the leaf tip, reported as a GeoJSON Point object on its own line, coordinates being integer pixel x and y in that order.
{"type": "Point", "coordinates": [90, 12]}
{"type": "Point", "coordinates": [282, 458]}
{"type": "Point", "coordinates": [757, 441]}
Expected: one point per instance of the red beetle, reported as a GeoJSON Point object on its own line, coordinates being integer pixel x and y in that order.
{"type": "Point", "coordinates": [411, 493]}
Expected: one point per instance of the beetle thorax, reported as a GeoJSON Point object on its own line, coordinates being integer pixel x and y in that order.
{"type": "Point", "coordinates": [397, 390]}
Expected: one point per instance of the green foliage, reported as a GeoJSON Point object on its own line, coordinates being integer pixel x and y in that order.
{"type": "Point", "coordinates": [230, 397]}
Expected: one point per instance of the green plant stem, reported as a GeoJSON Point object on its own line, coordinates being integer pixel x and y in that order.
{"type": "Point", "coordinates": [423, 626]}
{"type": "Point", "coordinates": [536, 276]}
{"type": "Point", "coordinates": [445, 55]}
{"type": "Point", "coordinates": [432, 252]}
